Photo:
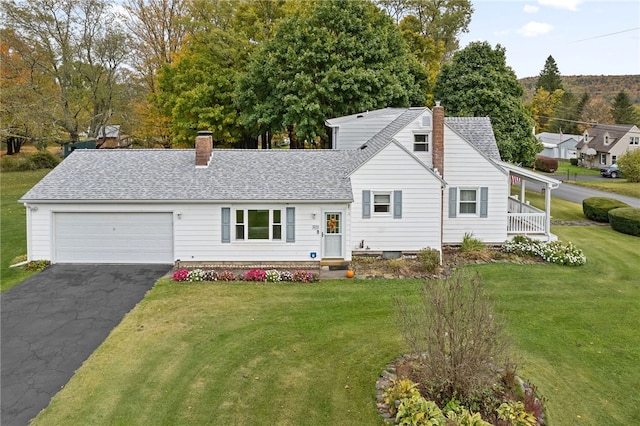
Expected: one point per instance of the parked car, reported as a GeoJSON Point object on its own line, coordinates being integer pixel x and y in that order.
{"type": "Point", "coordinates": [611, 171]}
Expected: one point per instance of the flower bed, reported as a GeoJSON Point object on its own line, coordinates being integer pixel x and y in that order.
{"type": "Point", "coordinates": [553, 252]}
{"type": "Point", "coordinates": [255, 275]}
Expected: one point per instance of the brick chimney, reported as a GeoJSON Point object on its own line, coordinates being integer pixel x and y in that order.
{"type": "Point", "coordinates": [204, 148]}
{"type": "Point", "coordinates": [438, 138]}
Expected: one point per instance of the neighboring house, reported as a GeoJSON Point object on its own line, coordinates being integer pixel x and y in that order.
{"type": "Point", "coordinates": [602, 144]}
{"type": "Point", "coordinates": [418, 181]}
{"type": "Point", "coordinates": [558, 145]}
{"type": "Point", "coordinates": [110, 137]}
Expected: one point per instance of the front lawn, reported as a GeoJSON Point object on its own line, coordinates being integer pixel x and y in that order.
{"type": "Point", "coordinates": [14, 232]}
{"type": "Point", "coordinates": [309, 354]}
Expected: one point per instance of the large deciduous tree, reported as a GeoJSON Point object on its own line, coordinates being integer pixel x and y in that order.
{"type": "Point", "coordinates": [477, 82]}
{"type": "Point", "coordinates": [73, 50]}
{"type": "Point", "coordinates": [336, 58]}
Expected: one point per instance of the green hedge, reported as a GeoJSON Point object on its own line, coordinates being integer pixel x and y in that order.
{"type": "Point", "coordinates": [597, 208]}
{"type": "Point", "coordinates": [625, 220]}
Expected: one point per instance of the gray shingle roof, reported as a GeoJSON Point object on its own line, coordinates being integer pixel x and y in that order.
{"type": "Point", "coordinates": [477, 131]}
{"type": "Point", "coordinates": [597, 133]}
{"type": "Point", "coordinates": [383, 137]}
{"type": "Point", "coordinates": [303, 175]}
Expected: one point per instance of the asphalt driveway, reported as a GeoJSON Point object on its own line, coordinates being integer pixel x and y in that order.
{"type": "Point", "coordinates": [54, 320]}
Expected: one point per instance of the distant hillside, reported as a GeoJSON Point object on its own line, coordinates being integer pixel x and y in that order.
{"type": "Point", "coordinates": [598, 86]}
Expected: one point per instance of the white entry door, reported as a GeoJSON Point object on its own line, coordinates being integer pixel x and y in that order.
{"type": "Point", "coordinates": [332, 234]}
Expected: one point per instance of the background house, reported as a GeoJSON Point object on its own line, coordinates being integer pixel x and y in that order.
{"type": "Point", "coordinates": [110, 137]}
{"type": "Point", "coordinates": [559, 145]}
{"type": "Point", "coordinates": [602, 144]}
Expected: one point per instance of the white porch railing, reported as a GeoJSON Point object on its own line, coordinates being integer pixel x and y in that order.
{"type": "Point", "coordinates": [524, 218]}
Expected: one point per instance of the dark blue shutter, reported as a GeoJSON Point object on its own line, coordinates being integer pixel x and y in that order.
{"type": "Point", "coordinates": [366, 204]}
{"type": "Point", "coordinates": [291, 224]}
{"type": "Point", "coordinates": [397, 204]}
{"type": "Point", "coordinates": [453, 201]}
{"type": "Point", "coordinates": [484, 201]}
{"type": "Point", "coordinates": [226, 225]}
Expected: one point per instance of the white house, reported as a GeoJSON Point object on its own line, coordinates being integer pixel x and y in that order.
{"type": "Point", "coordinates": [417, 180]}
{"type": "Point", "coordinates": [559, 145]}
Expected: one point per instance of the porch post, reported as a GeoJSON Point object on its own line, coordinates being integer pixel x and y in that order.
{"type": "Point", "coordinates": [523, 186]}
{"type": "Point", "coordinates": [547, 211]}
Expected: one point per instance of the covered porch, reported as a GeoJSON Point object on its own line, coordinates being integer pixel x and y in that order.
{"type": "Point", "coordinates": [523, 218]}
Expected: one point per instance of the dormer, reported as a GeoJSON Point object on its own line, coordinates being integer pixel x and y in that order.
{"type": "Point", "coordinates": [606, 138]}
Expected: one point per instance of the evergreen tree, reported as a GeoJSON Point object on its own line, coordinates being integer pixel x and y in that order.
{"type": "Point", "coordinates": [549, 78]}
{"type": "Point", "coordinates": [622, 109]}
{"type": "Point", "coordinates": [478, 82]}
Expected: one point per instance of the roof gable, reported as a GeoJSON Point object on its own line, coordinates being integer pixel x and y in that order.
{"type": "Point", "coordinates": [603, 137]}
{"type": "Point", "coordinates": [478, 132]}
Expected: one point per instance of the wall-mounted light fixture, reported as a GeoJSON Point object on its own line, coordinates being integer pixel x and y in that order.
{"type": "Point", "coordinates": [313, 215]}
{"type": "Point", "coordinates": [179, 214]}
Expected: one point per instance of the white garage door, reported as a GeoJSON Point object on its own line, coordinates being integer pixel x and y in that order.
{"type": "Point", "coordinates": [113, 237]}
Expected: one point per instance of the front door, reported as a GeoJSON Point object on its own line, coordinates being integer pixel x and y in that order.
{"type": "Point", "coordinates": [332, 234]}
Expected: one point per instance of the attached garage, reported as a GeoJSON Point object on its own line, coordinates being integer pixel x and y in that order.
{"type": "Point", "coordinates": [91, 237]}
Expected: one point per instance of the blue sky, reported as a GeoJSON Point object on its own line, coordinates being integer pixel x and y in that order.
{"type": "Point", "coordinates": [584, 37]}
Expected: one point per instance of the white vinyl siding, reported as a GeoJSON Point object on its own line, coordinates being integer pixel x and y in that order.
{"type": "Point", "coordinates": [418, 222]}
{"type": "Point", "coordinates": [197, 230]}
{"type": "Point", "coordinates": [466, 168]}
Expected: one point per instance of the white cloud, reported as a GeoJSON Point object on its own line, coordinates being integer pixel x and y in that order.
{"type": "Point", "coordinates": [562, 4]}
{"type": "Point", "coordinates": [533, 29]}
{"type": "Point", "coordinates": [529, 8]}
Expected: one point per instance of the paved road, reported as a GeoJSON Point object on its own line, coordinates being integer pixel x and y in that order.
{"type": "Point", "coordinates": [54, 320]}
{"type": "Point", "coordinates": [576, 194]}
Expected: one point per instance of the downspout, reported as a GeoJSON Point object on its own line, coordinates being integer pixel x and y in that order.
{"type": "Point", "coordinates": [28, 209]}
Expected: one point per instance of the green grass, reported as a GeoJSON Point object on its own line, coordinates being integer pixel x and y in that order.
{"type": "Point", "coordinates": [565, 166]}
{"type": "Point", "coordinates": [285, 354]}
{"type": "Point", "coordinates": [13, 242]}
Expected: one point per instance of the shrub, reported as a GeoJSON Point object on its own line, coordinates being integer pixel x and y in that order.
{"type": "Point", "coordinates": [546, 164]}
{"type": "Point", "coordinates": [573, 161]}
{"type": "Point", "coordinates": [399, 390]}
{"type": "Point", "coordinates": [37, 265]}
{"type": "Point", "coordinates": [226, 275]}
{"type": "Point", "coordinates": [465, 418]}
{"type": "Point", "coordinates": [625, 220]}
{"type": "Point", "coordinates": [553, 252]}
{"type": "Point", "coordinates": [629, 165]}
{"type": "Point", "coordinates": [418, 411]}
{"type": "Point", "coordinates": [513, 413]}
{"type": "Point", "coordinates": [304, 277]}
{"type": "Point", "coordinates": [195, 275]}
{"type": "Point", "coordinates": [471, 244]}
{"type": "Point", "coordinates": [597, 208]}
{"type": "Point", "coordinates": [21, 163]}
{"type": "Point", "coordinates": [256, 275]}
{"type": "Point", "coordinates": [273, 276]}
{"type": "Point", "coordinates": [454, 330]}
{"type": "Point", "coordinates": [181, 275]}
{"type": "Point", "coordinates": [286, 276]}
{"type": "Point", "coordinates": [44, 160]}
{"type": "Point", "coordinates": [210, 275]}
{"type": "Point", "coordinates": [429, 259]}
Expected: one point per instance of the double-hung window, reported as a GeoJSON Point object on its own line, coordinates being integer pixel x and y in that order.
{"type": "Point", "coordinates": [635, 140]}
{"type": "Point", "coordinates": [258, 224]}
{"type": "Point", "coordinates": [421, 143]}
{"type": "Point", "coordinates": [468, 201]}
{"type": "Point", "coordinates": [382, 203]}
